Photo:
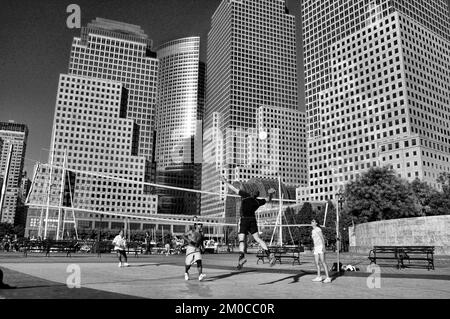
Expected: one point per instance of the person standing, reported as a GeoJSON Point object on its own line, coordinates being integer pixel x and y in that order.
{"type": "Point", "coordinates": [120, 246]}
{"type": "Point", "coordinates": [193, 252]}
{"type": "Point", "coordinates": [199, 227]}
{"type": "Point", "coordinates": [247, 222]}
{"type": "Point", "coordinates": [319, 252]}
{"type": "Point", "coordinates": [147, 243]}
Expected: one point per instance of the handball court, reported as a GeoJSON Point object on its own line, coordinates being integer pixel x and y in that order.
{"type": "Point", "coordinates": [162, 277]}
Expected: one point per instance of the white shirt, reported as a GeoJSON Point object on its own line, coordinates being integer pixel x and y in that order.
{"type": "Point", "coordinates": [316, 235]}
{"type": "Point", "coordinates": [119, 243]}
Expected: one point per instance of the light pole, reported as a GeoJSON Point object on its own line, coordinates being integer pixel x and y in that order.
{"type": "Point", "coordinates": [340, 199]}
{"type": "Point", "coordinates": [99, 235]}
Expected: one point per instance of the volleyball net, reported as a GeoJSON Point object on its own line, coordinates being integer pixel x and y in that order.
{"type": "Point", "coordinates": [63, 198]}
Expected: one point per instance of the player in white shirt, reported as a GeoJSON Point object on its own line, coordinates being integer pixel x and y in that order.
{"type": "Point", "coordinates": [120, 245]}
{"type": "Point", "coordinates": [319, 252]}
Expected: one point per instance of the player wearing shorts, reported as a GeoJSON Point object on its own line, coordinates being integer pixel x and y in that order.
{"type": "Point", "coordinates": [194, 252]}
{"type": "Point", "coordinates": [120, 246]}
{"type": "Point", "coordinates": [319, 252]}
{"type": "Point", "coordinates": [247, 222]}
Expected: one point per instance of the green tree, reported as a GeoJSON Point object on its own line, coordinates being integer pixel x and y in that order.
{"type": "Point", "coordinates": [378, 195]}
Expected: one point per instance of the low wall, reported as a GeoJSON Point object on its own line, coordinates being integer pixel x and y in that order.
{"type": "Point", "coordinates": [417, 231]}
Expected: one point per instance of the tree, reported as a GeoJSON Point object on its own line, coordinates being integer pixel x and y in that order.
{"type": "Point", "coordinates": [423, 194]}
{"type": "Point", "coordinates": [439, 204]}
{"type": "Point", "coordinates": [19, 230]}
{"type": "Point", "coordinates": [444, 180]}
{"type": "Point", "coordinates": [291, 234]}
{"type": "Point", "coordinates": [378, 195]}
{"type": "Point", "coordinates": [6, 229]}
{"type": "Point", "coordinates": [304, 216]}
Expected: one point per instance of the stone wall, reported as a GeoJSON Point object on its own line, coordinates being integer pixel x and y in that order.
{"type": "Point", "coordinates": [418, 231]}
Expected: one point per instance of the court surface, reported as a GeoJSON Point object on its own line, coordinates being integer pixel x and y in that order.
{"type": "Point", "coordinates": [162, 277]}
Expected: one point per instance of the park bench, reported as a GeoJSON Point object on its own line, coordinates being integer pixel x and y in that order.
{"type": "Point", "coordinates": [104, 246]}
{"type": "Point", "coordinates": [417, 253]}
{"type": "Point", "coordinates": [67, 247]}
{"type": "Point", "coordinates": [32, 246]}
{"type": "Point", "coordinates": [48, 247]}
{"type": "Point", "coordinates": [134, 248]}
{"type": "Point", "coordinates": [285, 252]}
{"type": "Point", "coordinates": [402, 253]}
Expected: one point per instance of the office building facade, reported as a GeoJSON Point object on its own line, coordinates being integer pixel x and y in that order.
{"type": "Point", "coordinates": [179, 114]}
{"type": "Point", "coordinates": [252, 66]}
{"type": "Point", "coordinates": [376, 91]}
{"type": "Point", "coordinates": [13, 136]}
{"type": "Point", "coordinates": [103, 123]}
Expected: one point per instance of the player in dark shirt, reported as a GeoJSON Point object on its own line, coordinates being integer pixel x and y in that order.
{"type": "Point", "coordinates": [194, 241]}
{"type": "Point", "coordinates": [247, 222]}
{"type": "Point", "coordinates": [199, 227]}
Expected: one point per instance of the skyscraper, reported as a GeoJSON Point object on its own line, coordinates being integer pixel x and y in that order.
{"type": "Point", "coordinates": [252, 66]}
{"type": "Point", "coordinates": [103, 123]}
{"type": "Point", "coordinates": [13, 136]}
{"type": "Point", "coordinates": [179, 111]}
{"type": "Point", "coordinates": [117, 51]}
{"type": "Point", "coordinates": [377, 90]}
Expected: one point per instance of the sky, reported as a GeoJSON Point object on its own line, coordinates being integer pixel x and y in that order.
{"type": "Point", "coordinates": [35, 48]}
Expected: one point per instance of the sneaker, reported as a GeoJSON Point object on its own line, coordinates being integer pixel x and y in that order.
{"type": "Point", "coordinates": [317, 279]}
{"type": "Point", "coordinates": [126, 265]}
{"type": "Point", "coordinates": [272, 259]}
{"type": "Point", "coordinates": [327, 280]}
{"type": "Point", "coordinates": [186, 276]}
{"type": "Point", "coordinates": [241, 263]}
{"type": "Point", "coordinates": [120, 265]}
{"type": "Point", "coordinates": [201, 277]}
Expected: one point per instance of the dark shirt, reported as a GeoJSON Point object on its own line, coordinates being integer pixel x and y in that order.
{"type": "Point", "coordinates": [194, 238]}
{"type": "Point", "coordinates": [250, 204]}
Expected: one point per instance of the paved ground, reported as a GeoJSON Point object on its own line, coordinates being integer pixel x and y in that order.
{"type": "Point", "coordinates": [161, 277]}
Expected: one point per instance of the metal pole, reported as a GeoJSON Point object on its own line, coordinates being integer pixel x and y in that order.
{"type": "Point", "coordinates": [61, 196]}
{"type": "Point", "coordinates": [71, 205]}
{"type": "Point", "coordinates": [280, 206]}
{"type": "Point", "coordinates": [337, 236]}
{"type": "Point", "coordinates": [48, 196]}
{"type": "Point", "coordinates": [33, 181]}
{"type": "Point", "coordinates": [40, 223]}
{"type": "Point", "coordinates": [5, 181]}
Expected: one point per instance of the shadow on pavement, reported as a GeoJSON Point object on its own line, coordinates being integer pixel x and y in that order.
{"type": "Point", "coordinates": [295, 278]}
{"type": "Point", "coordinates": [234, 273]}
{"type": "Point", "coordinates": [2, 284]}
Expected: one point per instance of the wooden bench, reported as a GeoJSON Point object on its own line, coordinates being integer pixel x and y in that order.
{"type": "Point", "coordinates": [285, 252]}
{"type": "Point", "coordinates": [402, 253]}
